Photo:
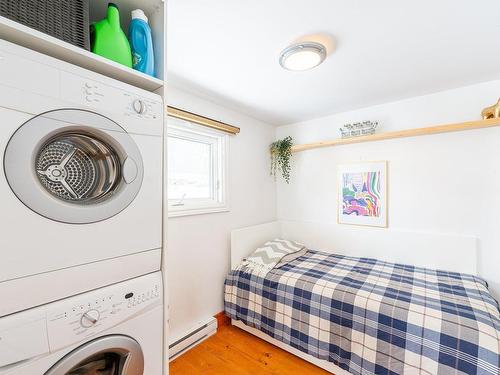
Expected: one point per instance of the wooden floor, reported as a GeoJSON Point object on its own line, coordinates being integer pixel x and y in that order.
{"type": "Point", "coordinates": [233, 351]}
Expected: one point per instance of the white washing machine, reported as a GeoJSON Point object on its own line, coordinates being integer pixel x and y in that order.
{"type": "Point", "coordinates": [81, 188]}
{"type": "Point", "coordinates": [116, 330]}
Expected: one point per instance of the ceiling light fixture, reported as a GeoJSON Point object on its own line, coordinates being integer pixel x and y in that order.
{"type": "Point", "coordinates": [302, 56]}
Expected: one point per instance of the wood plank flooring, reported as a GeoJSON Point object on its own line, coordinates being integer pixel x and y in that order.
{"type": "Point", "coordinates": [232, 351]}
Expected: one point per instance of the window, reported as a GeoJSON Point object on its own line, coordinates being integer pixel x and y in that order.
{"type": "Point", "coordinates": [196, 169]}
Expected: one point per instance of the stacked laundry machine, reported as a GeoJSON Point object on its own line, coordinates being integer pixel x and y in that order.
{"type": "Point", "coordinates": [80, 221]}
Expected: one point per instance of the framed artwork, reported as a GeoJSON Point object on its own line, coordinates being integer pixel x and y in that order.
{"type": "Point", "coordinates": [363, 194]}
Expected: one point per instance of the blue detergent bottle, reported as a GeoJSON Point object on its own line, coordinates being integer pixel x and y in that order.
{"type": "Point", "coordinates": [141, 43]}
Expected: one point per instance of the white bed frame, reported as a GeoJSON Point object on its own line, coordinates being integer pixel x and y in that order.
{"type": "Point", "coordinates": [451, 252]}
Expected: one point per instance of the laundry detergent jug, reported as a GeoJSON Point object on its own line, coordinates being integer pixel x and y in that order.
{"type": "Point", "coordinates": [141, 43]}
{"type": "Point", "coordinates": [109, 40]}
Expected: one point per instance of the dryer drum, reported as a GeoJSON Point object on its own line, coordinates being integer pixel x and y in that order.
{"type": "Point", "coordinates": [73, 166]}
{"type": "Point", "coordinates": [78, 168]}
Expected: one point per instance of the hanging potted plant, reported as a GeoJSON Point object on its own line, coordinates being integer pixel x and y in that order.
{"type": "Point", "coordinates": [281, 152]}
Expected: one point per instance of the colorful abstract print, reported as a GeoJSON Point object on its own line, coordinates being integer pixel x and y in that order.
{"type": "Point", "coordinates": [361, 194]}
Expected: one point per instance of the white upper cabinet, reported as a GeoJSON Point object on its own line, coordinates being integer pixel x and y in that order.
{"type": "Point", "coordinates": [156, 12]}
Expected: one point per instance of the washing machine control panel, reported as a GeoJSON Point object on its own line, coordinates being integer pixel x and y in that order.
{"type": "Point", "coordinates": [75, 320]}
{"type": "Point", "coordinates": [80, 317]}
{"type": "Point", "coordinates": [90, 318]}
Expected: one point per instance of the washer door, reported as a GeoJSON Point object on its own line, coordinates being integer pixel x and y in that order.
{"type": "Point", "coordinates": [109, 355]}
{"type": "Point", "coordinates": [73, 166]}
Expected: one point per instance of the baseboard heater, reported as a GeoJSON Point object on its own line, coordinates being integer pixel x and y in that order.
{"type": "Point", "coordinates": [193, 338]}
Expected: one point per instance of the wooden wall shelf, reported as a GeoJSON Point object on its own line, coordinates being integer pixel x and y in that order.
{"type": "Point", "coordinates": [469, 125]}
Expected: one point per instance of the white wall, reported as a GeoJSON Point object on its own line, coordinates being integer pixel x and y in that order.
{"type": "Point", "coordinates": [448, 183]}
{"type": "Point", "coordinates": [198, 246]}
{"type": "Point", "coordinates": [442, 183]}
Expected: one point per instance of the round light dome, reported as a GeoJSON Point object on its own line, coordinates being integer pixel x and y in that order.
{"type": "Point", "coordinates": [302, 56]}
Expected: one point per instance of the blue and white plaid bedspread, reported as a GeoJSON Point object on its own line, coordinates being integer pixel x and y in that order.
{"type": "Point", "coordinates": [372, 317]}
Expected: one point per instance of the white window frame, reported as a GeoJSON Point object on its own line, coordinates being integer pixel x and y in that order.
{"type": "Point", "coordinates": [219, 142]}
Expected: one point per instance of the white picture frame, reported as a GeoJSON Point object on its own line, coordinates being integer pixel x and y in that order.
{"type": "Point", "coordinates": [362, 194]}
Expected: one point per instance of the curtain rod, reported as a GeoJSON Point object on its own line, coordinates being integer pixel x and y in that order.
{"type": "Point", "coordinates": [201, 120]}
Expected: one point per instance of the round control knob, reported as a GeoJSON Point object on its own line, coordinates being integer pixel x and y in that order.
{"type": "Point", "coordinates": [89, 319]}
{"type": "Point", "coordinates": [139, 106]}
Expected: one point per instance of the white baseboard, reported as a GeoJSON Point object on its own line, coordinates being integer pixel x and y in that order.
{"type": "Point", "coordinates": [193, 338]}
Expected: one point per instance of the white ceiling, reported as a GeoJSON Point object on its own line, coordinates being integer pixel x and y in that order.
{"type": "Point", "coordinates": [385, 50]}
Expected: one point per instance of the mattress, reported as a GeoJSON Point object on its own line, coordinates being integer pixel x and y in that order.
{"type": "Point", "coordinates": [372, 317]}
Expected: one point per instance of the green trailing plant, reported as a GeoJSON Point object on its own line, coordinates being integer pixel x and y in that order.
{"type": "Point", "coordinates": [281, 153]}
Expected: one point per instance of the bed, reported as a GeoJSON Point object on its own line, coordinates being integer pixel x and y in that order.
{"type": "Point", "coordinates": [365, 316]}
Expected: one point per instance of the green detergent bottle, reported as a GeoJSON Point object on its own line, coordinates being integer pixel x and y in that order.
{"type": "Point", "coordinates": [109, 40]}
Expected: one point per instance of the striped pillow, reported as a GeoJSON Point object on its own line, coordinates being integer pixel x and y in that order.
{"type": "Point", "coordinates": [274, 253]}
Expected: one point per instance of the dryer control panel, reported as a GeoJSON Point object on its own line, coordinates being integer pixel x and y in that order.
{"type": "Point", "coordinates": [35, 83]}
{"type": "Point", "coordinates": [74, 320]}
{"type": "Point", "coordinates": [88, 92]}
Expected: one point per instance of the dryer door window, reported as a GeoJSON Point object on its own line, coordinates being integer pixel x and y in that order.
{"type": "Point", "coordinates": [73, 166]}
{"type": "Point", "coordinates": [78, 168]}
{"type": "Point", "coordinates": [109, 355]}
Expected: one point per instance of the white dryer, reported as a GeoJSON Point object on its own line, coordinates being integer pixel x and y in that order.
{"type": "Point", "coordinates": [116, 330]}
{"type": "Point", "coordinates": [81, 188]}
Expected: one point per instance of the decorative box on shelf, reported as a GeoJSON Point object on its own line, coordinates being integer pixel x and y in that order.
{"type": "Point", "coordinates": [358, 129]}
